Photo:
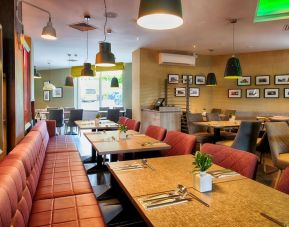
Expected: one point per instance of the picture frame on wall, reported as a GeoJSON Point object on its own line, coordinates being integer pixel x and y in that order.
{"type": "Point", "coordinates": [281, 79]}
{"type": "Point", "coordinates": [262, 80]}
{"type": "Point", "coordinates": [173, 78]}
{"type": "Point", "coordinates": [57, 92]}
{"type": "Point", "coordinates": [200, 80]}
{"type": "Point", "coordinates": [271, 93]}
{"type": "Point", "coordinates": [244, 81]}
{"type": "Point", "coordinates": [185, 79]}
{"type": "Point", "coordinates": [194, 92]}
{"type": "Point", "coordinates": [46, 96]}
{"type": "Point", "coordinates": [253, 93]}
{"type": "Point", "coordinates": [234, 93]}
{"type": "Point", "coordinates": [286, 92]}
{"type": "Point", "coordinates": [180, 92]}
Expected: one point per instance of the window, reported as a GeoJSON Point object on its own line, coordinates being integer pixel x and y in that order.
{"type": "Point", "coordinates": [95, 92]}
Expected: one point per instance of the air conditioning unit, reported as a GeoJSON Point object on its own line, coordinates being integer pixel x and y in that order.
{"type": "Point", "coordinates": [177, 59]}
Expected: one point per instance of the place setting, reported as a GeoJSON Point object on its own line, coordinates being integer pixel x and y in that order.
{"type": "Point", "coordinates": [143, 164]}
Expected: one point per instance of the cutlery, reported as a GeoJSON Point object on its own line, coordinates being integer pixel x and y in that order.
{"type": "Point", "coordinates": [219, 175]}
{"type": "Point", "coordinates": [128, 167]}
{"type": "Point", "coordinates": [175, 201]}
{"type": "Point", "coordinates": [184, 191]}
{"type": "Point", "coordinates": [168, 196]}
{"type": "Point", "coordinates": [145, 163]}
{"type": "Point", "coordinates": [273, 220]}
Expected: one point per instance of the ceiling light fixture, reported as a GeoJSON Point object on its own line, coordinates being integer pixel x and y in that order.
{"type": "Point", "coordinates": [47, 85]}
{"type": "Point", "coordinates": [48, 31]}
{"type": "Point", "coordinates": [105, 57]}
{"type": "Point", "coordinates": [37, 75]}
{"type": "Point", "coordinates": [114, 82]}
{"type": "Point", "coordinates": [211, 79]}
{"type": "Point", "coordinates": [233, 68]}
{"type": "Point", "coordinates": [160, 14]}
{"type": "Point", "coordinates": [69, 79]}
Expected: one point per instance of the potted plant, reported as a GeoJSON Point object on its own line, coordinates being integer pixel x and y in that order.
{"type": "Point", "coordinates": [201, 180]}
{"type": "Point", "coordinates": [122, 131]}
{"type": "Point", "coordinates": [97, 118]}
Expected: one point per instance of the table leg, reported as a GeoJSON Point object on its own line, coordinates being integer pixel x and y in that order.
{"type": "Point", "coordinates": [217, 134]}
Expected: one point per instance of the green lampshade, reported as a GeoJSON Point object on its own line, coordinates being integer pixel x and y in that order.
{"type": "Point", "coordinates": [160, 14]}
{"type": "Point", "coordinates": [69, 81]}
{"type": "Point", "coordinates": [268, 10]}
{"type": "Point", "coordinates": [87, 71]}
{"type": "Point", "coordinates": [114, 82]}
{"type": "Point", "coordinates": [104, 57]}
{"type": "Point", "coordinates": [211, 80]}
{"type": "Point", "coordinates": [233, 68]}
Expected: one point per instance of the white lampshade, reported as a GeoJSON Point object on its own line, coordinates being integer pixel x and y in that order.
{"type": "Point", "coordinates": [48, 87]}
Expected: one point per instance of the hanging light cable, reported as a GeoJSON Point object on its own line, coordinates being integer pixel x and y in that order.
{"type": "Point", "coordinates": [105, 57]}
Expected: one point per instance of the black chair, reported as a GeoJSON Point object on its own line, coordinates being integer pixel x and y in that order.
{"type": "Point", "coordinates": [113, 115]}
{"type": "Point", "coordinates": [58, 116]}
{"type": "Point", "coordinates": [52, 108]}
{"type": "Point", "coordinates": [103, 108]}
{"type": "Point", "coordinates": [128, 113]}
{"type": "Point", "coordinates": [75, 115]}
{"type": "Point", "coordinates": [118, 108]}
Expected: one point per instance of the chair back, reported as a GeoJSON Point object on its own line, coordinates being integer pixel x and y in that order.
{"type": "Point", "coordinates": [118, 108]}
{"type": "Point", "coordinates": [132, 124]}
{"type": "Point", "coordinates": [213, 117]}
{"type": "Point", "coordinates": [67, 110]}
{"type": "Point", "coordinates": [122, 120]}
{"type": "Point", "coordinates": [242, 162]}
{"type": "Point", "coordinates": [228, 114]}
{"type": "Point", "coordinates": [52, 108]}
{"type": "Point", "coordinates": [75, 115]}
{"type": "Point", "coordinates": [57, 115]}
{"type": "Point", "coordinates": [195, 117]}
{"type": "Point", "coordinates": [103, 108]}
{"type": "Point", "coordinates": [128, 113]}
{"type": "Point", "coordinates": [113, 115]}
{"type": "Point", "coordinates": [218, 111]}
{"type": "Point", "coordinates": [283, 184]}
{"type": "Point", "coordinates": [278, 137]}
{"type": "Point", "coordinates": [156, 132]}
{"type": "Point", "coordinates": [181, 143]}
{"type": "Point", "coordinates": [246, 138]}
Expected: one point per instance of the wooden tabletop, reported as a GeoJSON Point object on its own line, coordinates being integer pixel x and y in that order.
{"type": "Point", "coordinates": [103, 125]}
{"type": "Point", "coordinates": [219, 124]}
{"type": "Point", "coordinates": [279, 118]}
{"type": "Point", "coordinates": [109, 143]}
{"type": "Point", "coordinates": [234, 201]}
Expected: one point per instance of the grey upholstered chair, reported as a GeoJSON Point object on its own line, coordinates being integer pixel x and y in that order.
{"type": "Point", "coordinates": [113, 115]}
{"type": "Point", "coordinates": [75, 115]}
{"type": "Point", "coordinates": [213, 117]}
{"type": "Point", "coordinates": [57, 115]}
{"type": "Point", "coordinates": [218, 111]}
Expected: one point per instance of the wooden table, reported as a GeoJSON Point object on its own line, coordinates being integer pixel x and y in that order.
{"type": "Point", "coordinates": [279, 118]}
{"type": "Point", "coordinates": [218, 125]}
{"type": "Point", "coordinates": [234, 201]}
{"type": "Point", "coordinates": [90, 125]}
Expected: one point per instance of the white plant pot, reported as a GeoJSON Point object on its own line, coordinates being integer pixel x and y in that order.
{"type": "Point", "coordinates": [202, 181]}
{"type": "Point", "coordinates": [122, 135]}
{"type": "Point", "coordinates": [96, 121]}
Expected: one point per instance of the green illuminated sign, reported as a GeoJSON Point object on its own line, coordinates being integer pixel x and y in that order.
{"type": "Point", "coordinates": [268, 10]}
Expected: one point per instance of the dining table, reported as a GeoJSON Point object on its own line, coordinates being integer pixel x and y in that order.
{"type": "Point", "coordinates": [234, 200]}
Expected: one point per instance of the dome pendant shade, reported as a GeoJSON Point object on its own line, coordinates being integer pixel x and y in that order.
{"type": "Point", "coordinates": [114, 82]}
{"type": "Point", "coordinates": [233, 68]}
{"type": "Point", "coordinates": [48, 87]}
{"type": "Point", "coordinates": [69, 81]}
{"type": "Point", "coordinates": [87, 71]}
{"type": "Point", "coordinates": [160, 14]}
{"type": "Point", "coordinates": [104, 57]}
{"type": "Point", "coordinates": [49, 31]}
{"type": "Point", "coordinates": [211, 79]}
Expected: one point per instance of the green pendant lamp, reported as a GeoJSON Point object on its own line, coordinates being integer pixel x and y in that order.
{"type": "Point", "coordinates": [233, 68]}
{"type": "Point", "coordinates": [211, 80]}
{"type": "Point", "coordinates": [114, 82]}
{"type": "Point", "coordinates": [160, 14]}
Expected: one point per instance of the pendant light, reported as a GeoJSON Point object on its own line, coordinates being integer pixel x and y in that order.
{"type": "Point", "coordinates": [211, 80]}
{"type": "Point", "coordinates": [37, 75]}
{"type": "Point", "coordinates": [87, 71]}
{"type": "Point", "coordinates": [105, 57]}
{"type": "Point", "coordinates": [47, 85]}
{"type": "Point", "coordinates": [160, 14]}
{"type": "Point", "coordinates": [233, 68]}
{"type": "Point", "coordinates": [69, 78]}
{"type": "Point", "coordinates": [114, 82]}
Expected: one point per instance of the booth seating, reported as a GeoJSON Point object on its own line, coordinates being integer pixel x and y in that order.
{"type": "Point", "coordinates": [44, 183]}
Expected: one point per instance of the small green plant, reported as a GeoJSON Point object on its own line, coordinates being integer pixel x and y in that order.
{"type": "Point", "coordinates": [202, 161]}
{"type": "Point", "coordinates": [98, 116]}
{"type": "Point", "coordinates": [122, 128]}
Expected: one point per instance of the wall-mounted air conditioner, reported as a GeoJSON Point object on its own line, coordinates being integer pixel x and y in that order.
{"type": "Point", "coordinates": [177, 59]}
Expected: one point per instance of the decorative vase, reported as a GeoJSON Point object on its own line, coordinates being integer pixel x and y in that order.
{"type": "Point", "coordinates": [96, 121]}
{"type": "Point", "coordinates": [122, 135]}
{"type": "Point", "coordinates": [202, 181]}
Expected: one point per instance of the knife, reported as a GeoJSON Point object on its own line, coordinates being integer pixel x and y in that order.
{"type": "Point", "coordinates": [274, 220]}
{"type": "Point", "coordinates": [176, 201]}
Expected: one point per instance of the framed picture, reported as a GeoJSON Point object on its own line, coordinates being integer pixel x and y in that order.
{"type": "Point", "coordinates": [200, 80]}
{"type": "Point", "coordinates": [180, 92]}
{"type": "Point", "coordinates": [281, 79]}
{"type": "Point", "coordinates": [253, 93]}
{"type": "Point", "coordinates": [244, 81]}
{"type": "Point", "coordinates": [185, 77]}
{"type": "Point", "coordinates": [46, 96]}
{"type": "Point", "coordinates": [286, 92]}
{"type": "Point", "coordinates": [194, 92]}
{"type": "Point", "coordinates": [173, 78]}
{"type": "Point", "coordinates": [57, 92]}
{"type": "Point", "coordinates": [234, 93]}
{"type": "Point", "coordinates": [271, 93]}
{"type": "Point", "coordinates": [262, 80]}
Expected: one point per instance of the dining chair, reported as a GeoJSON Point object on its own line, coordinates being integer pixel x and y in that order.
{"type": "Point", "coordinates": [228, 114]}
{"type": "Point", "coordinates": [75, 115]}
{"type": "Point", "coordinates": [57, 115]}
{"type": "Point", "coordinates": [122, 120]}
{"type": "Point", "coordinates": [283, 184]}
{"type": "Point", "coordinates": [213, 117]}
{"type": "Point", "coordinates": [113, 115]}
{"type": "Point", "coordinates": [156, 132]}
{"type": "Point", "coordinates": [103, 108]}
{"type": "Point", "coordinates": [181, 143]}
{"type": "Point", "coordinates": [218, 111]}
{"type": "Point", "coordinates": [244, 163]}
{"type": "Point", "coordinates": [132, 124]}
{"type": "Point", "coordinates": [118, 108]}
{"type": "Point", "coordinates": [128, 113]}
{"type": "Point", "coordinates": [278, 137]}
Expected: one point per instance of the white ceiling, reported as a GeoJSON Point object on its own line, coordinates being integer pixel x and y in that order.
{"type": "Point", "coordinates": [204, 25]}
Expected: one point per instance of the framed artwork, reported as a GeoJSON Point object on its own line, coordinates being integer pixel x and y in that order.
{"type": "Point", "coordinates": [253, 93]}
{"type": "Point", "coordinates": [281, 79]}
{"type": "Point", "coordinates": [200, 80]}
{"type": "Point", "coordinates": [244, 81]}
{"type": "Point", "coordinates": [173, 78]}
{"type": "Point", "coordinates": [262, 80]}
{"type": "Point", "coordinates": [286, 92]}
{"type": "Point", "coordinates": [185, 77]}
{"type": "Point", "coordinates": [271, 93]}
{"type": "Point", "coordinates": [46, 96]}
{"type": "Point", "coordinates": [194, 92]}
{"type": "Point", "coordinates": [180, 92]}
{"type": "Point", "coordinates": [234, 93]}
{"type": "Point", "coordinates": [57, 92]}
